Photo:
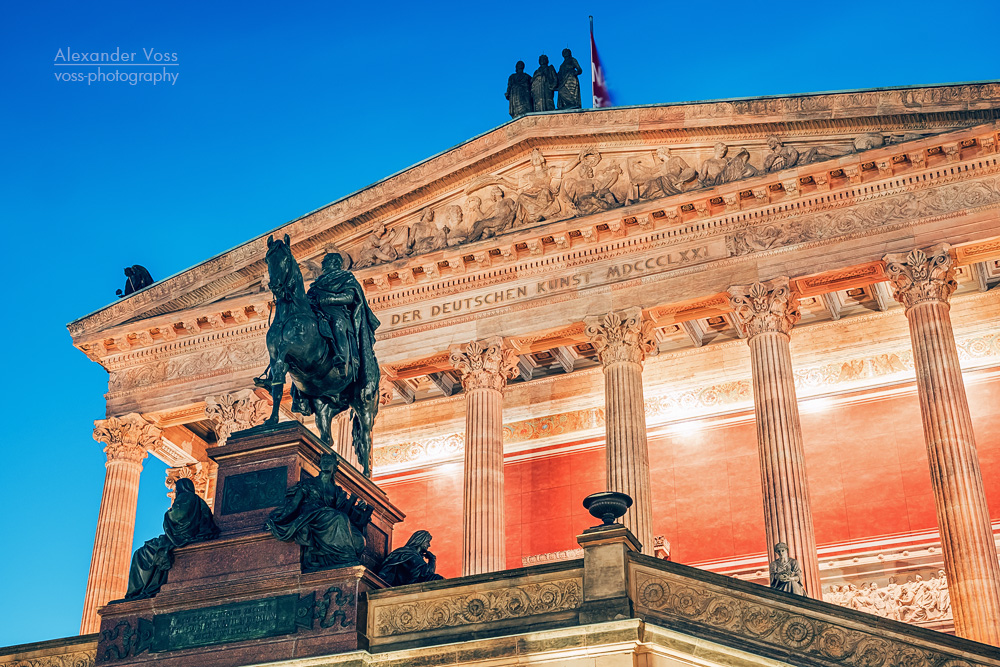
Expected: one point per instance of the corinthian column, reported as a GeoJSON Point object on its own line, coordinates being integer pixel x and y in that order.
{"type": "Point", "coordinates": [485, 367]}
{"type": "Point", "coordinates": [126, 440]}
{"type": "Point", "coordinates": [923, 281]}
{"type": "Point", "coordinates": [343, 433]}
{"type": "Point", "coordinates": [623, 341]}
{"type": "Point", "coordinates": [765, 314]}
{"type": "Point", "coordinates": [234, 412]}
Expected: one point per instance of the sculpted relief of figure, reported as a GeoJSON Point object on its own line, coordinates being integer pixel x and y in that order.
{"type": "Point", "coordinates": [914, 601]}
{"type": "Point", "coordinates": [381, 247]}
{"type": "Point", "coordinates": [500, 219]}
{"type": "Point", "coordinates": [780, 157]}
{"type": "Point", "coordinates": [323, 519]}
{"type": "Point", "coordinates": [568, 85]}
{"type": "Point", "coordinates": [538, 194]}
{"type": "Point", "coordinates": [590, 190]}
{"type": "Point", "coordinates": [426, 236]}
{"type": "Point", "coordinates": [519, 91]}
{"type": "Point", "coordinates": [668, 175]}
{"type": "Point", "coordinates": [718, 170]}
{"type": "Point", "coordinates": [543, 85]}
{"type": "Point", "coordinates": [187, 521]}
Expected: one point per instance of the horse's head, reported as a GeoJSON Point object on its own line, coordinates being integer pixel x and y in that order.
{"type": "Point", "coordinates": [284, 276]}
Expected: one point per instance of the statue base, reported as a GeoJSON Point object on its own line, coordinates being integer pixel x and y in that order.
{"type": "Point", "coordinates": [242, 598]}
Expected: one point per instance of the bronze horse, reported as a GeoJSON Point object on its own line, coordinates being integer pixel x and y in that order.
{"type": "Point", "coordinates": [299, 343]}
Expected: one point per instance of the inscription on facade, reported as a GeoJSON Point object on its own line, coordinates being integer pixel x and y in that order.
{"type": "Point", "coordinates": [575, 281]}
{"type": "Point", "coordinates": [239, 621]}
{"type": "Point", "coordinates": [254, 490]}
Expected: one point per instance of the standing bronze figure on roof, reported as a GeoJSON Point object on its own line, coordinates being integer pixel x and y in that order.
{"type": "Point", "coordinates": [325, 340]}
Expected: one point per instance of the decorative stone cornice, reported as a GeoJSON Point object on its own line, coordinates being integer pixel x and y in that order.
{"type": "Point", "coordinates": [921, 275]}
{"type": "Point", "coordinates": [235, 412]}
{"type": "Point", "coordinates": [621, 336]}
{"type": "Point", "coordinates": [768, 307]}
{"type": "Point", "coordinates": [126, 438]}
{"type": "Point", "coordinates": [485, 364]}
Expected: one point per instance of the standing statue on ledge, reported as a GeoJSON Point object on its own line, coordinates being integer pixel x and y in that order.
{"type": "Point", "coordinates": [323, 519]}
{"type": "Point", "coordinates": [412, 563]}
{"type": "Point", "coordinates": [568, 84]}
{"type": "Point", "coordinates": [324, 340]}
{"type": "Point", "coordinates": [543, 85]}
{"type": "Point", "coordinates": [187, 521]}
{"type": "Point", "coordinates": [519, 91]}
{"type": "Point", "coordinates": [786, 575]}
{"type": "Point", "coordinates": [136, 278]}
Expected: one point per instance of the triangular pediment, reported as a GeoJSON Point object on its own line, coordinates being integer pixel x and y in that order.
{"type": "Point", "coordinates": [473, 204]}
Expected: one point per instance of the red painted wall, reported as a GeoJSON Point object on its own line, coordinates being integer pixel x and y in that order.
{"type": "Point", "coordinates": [867, 467]}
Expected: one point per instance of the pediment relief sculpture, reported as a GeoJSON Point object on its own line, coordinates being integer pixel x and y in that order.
{"type": "Point", "coordinates": [591, 182]}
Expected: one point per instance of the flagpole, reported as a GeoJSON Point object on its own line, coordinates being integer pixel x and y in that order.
{"type": "Point", "coordinates": [591, 62]}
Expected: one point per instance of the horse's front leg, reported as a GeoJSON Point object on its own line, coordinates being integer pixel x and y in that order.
{"type": "Point", "coordinates": [278, 371]}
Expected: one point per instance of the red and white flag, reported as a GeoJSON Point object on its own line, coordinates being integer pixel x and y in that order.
{"type": "Point", "coordinates": [602, 96]}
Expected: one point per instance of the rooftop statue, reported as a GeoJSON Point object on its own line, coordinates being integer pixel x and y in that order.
{"type": "Point", "coordinates": [187, 521]}
{"type": "Point", "coordinates": [136, 278]}
{"type": "Point", "coordinates": [519, 91]}
{"type": "Point", "coordinates": [543, 85]}
{"type": "Point", "coordinates": [786, 575]}
{"type": "Point", "coordinates": [568, 85]}
{"type": "Point", "coordinates": [324, 340]}
{"type": "Point", "coordinates": [323, 519]}
{"type": "Point", "coordinates": [412, 563]}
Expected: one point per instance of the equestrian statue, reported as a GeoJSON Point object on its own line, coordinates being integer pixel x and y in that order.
{"type": "Point", "coordinates": [324, 339]}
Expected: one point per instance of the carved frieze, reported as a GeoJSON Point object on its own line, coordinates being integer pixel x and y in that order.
{"type": "Point", "coordinates": [786, 628]}
{"type": "Point", "coordinates": [916, 600]}
{"type": "Point", "coordinates": [83, 658]}
{"type": "Point", "coordinates": [470, 609]}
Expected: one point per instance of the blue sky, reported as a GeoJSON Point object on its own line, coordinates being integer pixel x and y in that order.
{"type": "Point", "coordinates": [277, 111]}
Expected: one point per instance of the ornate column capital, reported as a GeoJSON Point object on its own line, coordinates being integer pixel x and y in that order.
{"type": "Point", "coordinates": [237, 411]}
{"type": "Point", "coordinates": [199, 473]}
{"type": "Point", "coordinates": [385, 386]}
{"type": "Point", "coordinates": [621, 336]}
{"type": "Point", "coordinates": [767, 307]}
{"type": "Point", "coordinates": [921, 275]}
{"type": "Point", "coordinates": [126, 438]}
{"type": "Point", "coordinates": [485, 364]}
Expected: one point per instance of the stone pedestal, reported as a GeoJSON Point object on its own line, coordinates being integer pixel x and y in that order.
{"type": "Point", "coordinates": [623, 341]}
{"type": "Point", "coordinates": [127, 440]}
{"type": "Point", "coordinates": [605, 568]}
{"type": "Point", "coordinates": [923, 282]}
{"type": "Point", "coordinates": [485, 367]}
{"type": "Point", "coordinates": [242, 598]}
{"type": "Point", "coordinates": [765, 314]}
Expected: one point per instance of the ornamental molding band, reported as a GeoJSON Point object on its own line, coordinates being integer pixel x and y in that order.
{"type": "Point", "coordinates": [580, 177]}
{"type": "Point", "coordinates": [739, 614]}
{"type": "Point", "coordinates": [237, 411]}
{"type": "Point", "coordinates": [621, 336]}
{"type": "Point", "coordinates": [922, 275]}
{"type": "Point", "coordinates": [126, 438]}
{"type": "Point", "coordinates": [480, 607]}
{"type": "Point", "coordinates": [83, 658]}
{"type": "Point", "coordinates": [768, 307]}
{"type": "Point", "coordinates": [485, 364]}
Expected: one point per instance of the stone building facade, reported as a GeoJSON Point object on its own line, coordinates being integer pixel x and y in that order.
{"type": "Point", "coordinates": [766, 320]}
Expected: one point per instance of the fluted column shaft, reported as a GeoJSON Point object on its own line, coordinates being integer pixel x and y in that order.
{"type": "Point", "coordinates": [485, 367]}
{"type": "Point", "coordinates": [344, 434]}
{"type": "Point", "coordinates": [923, 282]}
{"type": "Point", "coordinates": [766, 313]}
{"type": "Point", "coordinates": [623, 341]}
{"type": "Point", "coordinates": [127, 439]}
